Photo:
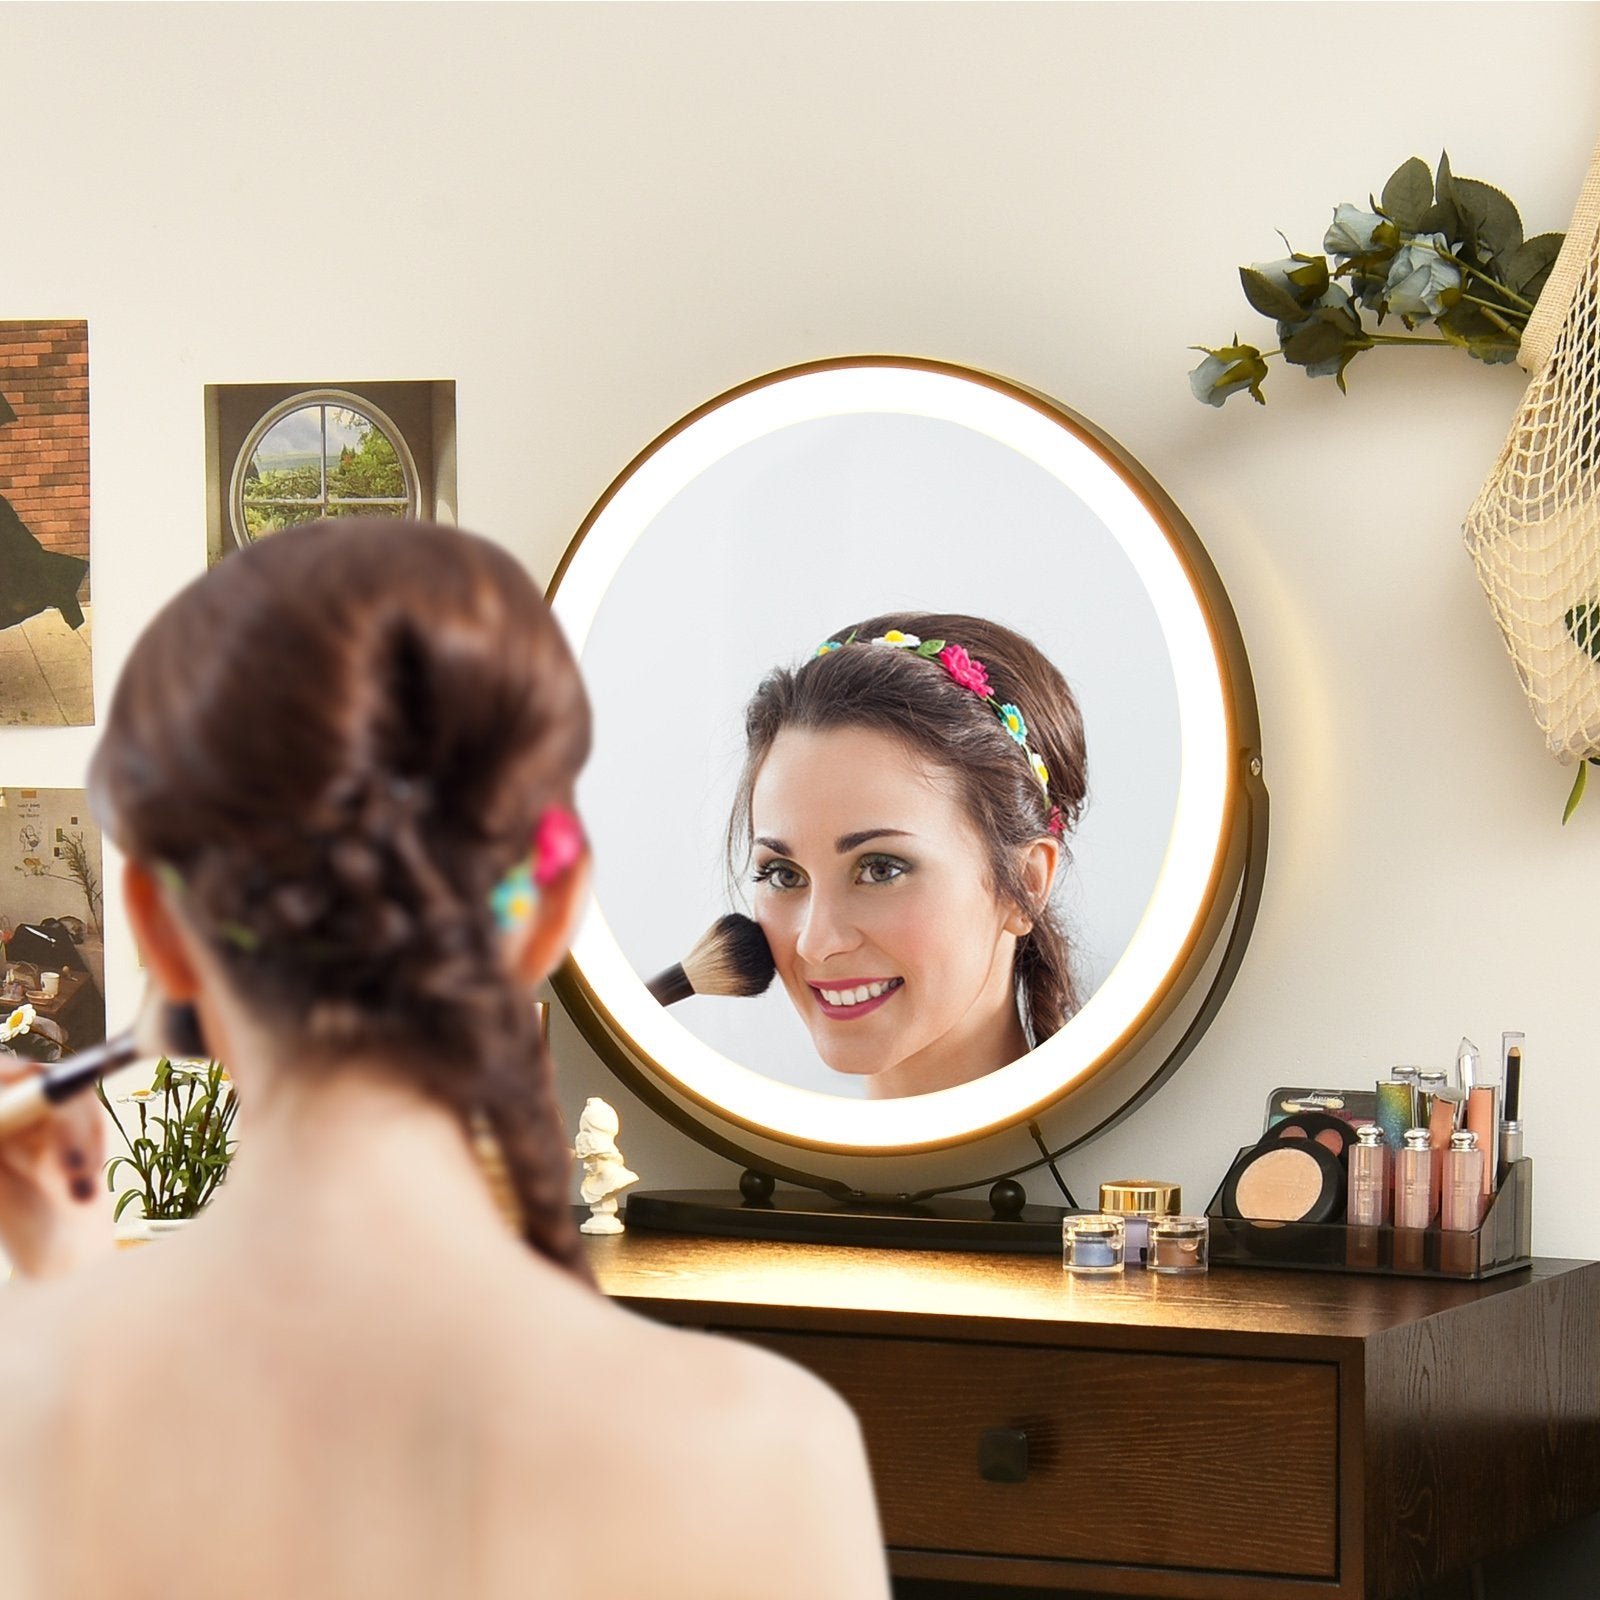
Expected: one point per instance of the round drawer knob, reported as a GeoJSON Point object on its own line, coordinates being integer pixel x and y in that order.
{"type": "Point", "coordinates": [1003, 1455]}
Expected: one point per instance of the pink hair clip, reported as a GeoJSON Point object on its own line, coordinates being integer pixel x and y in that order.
{"type": "Point", "coordinates": [558, 846]}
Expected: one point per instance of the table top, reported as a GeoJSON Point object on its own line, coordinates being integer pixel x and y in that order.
{"type": "Point", "coordinates": [71, 983]}
{"type": "Point", "coordinates": [1021, 1298]}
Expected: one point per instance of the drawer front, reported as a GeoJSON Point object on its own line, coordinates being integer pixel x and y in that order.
{"type": "Point", "coordinates": [1127, 1458]}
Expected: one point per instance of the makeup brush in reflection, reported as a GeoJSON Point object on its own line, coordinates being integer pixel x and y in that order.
{"type": "Point", "coordinates": [731, 957]}
{"type": "Point", "coordinates": [159, 1030]}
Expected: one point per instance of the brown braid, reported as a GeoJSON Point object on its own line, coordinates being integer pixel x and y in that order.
{"type": "Point", "coordinates": [340, 740]}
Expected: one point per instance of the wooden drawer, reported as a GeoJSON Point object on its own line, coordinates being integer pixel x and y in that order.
{"type": "Point", "coordinates": [1145, 1460]}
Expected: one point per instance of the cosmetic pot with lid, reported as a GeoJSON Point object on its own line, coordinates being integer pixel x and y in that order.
{"type": "Point", "coordinates": [1136, 1201]}
{"type": "Point", "coordinates": [1093, 1243]}
{"type": "Point", "coordinates": [1179, 1244]}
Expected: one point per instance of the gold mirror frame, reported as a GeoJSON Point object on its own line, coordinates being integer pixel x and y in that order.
{"type": "Point", "coordinates": [1219, 870]}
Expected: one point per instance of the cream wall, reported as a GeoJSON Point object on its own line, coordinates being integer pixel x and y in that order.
{"type": "Point", "coordinates": [594, 217]}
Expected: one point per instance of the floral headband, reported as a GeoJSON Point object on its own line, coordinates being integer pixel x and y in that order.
{"type": "Point", "coordinates": [558, 844]}
{"type": "Point", "coordinates": [973, 675]}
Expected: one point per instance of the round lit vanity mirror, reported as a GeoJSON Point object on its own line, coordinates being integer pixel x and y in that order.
{"type": "Point", "coordinates": [1069, 710]}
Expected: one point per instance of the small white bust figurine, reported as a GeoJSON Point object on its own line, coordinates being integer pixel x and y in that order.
{"type": "Point", "coordinates": [604, 1175]}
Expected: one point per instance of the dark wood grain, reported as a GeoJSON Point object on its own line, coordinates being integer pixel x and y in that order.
{"type": "Point", "coordinates": [1127, 1454]}
{"type": "Point", "coordinates": [1448, 1422]}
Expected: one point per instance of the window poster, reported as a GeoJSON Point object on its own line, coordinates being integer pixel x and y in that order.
{"type": "Point", "coordinates": [45, 678]}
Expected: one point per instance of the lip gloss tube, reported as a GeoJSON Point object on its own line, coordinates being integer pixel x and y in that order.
{"type": "Point", "coordinates": [1461, 1205]}
{"type": "Point", "coordinates": [1444, 1115]}
{"type": "Point", "coordinates": [1368, 1202]}
{"type": "Point", "coordinates": [1413, 1181]}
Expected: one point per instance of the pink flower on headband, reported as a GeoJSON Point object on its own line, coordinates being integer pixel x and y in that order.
{"type": "Point", "coordinates": [968, 673]}
{"type": "Point", "coordinates": [557, 844]}
{"type": "Point", "coordinates": [1057, 823]}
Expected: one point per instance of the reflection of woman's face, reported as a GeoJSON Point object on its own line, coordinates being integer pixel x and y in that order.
{"type": "Point", "coordinates": [873, 889]}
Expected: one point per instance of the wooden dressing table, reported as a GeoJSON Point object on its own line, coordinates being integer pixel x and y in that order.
{"type": "Point", "coordinates": [1245, 1434]}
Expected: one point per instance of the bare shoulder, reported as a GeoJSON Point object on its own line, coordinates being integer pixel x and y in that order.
{"type": "Point", "coordinates": [760, 1461]}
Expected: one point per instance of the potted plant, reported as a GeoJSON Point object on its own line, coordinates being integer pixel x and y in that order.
{"type": "Point", "coordinates": [182, 1149]}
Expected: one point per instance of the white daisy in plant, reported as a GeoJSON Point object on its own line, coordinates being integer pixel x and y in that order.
{"type": "Point", "coordinates": [901, 641]}
{"type": "Point", "coordinates": [136, 1097]}
{"type": "Point", "coordinates": [19, 1022]}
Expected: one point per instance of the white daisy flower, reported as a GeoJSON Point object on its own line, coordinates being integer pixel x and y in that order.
{"type": "Point", "coordinates": [901, 641]}
{"type": "Point", "coordinates": [19, 1021]}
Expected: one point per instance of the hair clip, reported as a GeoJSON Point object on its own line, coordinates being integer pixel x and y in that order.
{"type": "Point", "coordinates": [558, 845]}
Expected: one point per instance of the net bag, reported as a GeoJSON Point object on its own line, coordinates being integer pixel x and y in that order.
{"type": "Point", "coordinates": [1534, 530]}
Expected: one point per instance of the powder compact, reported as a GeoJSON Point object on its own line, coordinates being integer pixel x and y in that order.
{"type": "Point", "coordinates": [1285, 1180]}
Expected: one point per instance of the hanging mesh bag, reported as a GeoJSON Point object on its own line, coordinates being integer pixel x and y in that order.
{"type": "Point", "coordinates": [1534, 530]}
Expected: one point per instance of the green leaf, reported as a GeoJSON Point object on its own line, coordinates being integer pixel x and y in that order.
{"type": "Point", "coordinates": [1583, 624]}
{"type": "Point", "coordinates": [123, 1202]}
{"type": "Point", "coordinates": [1444, 183]}
{"type": "Point", "coordinates": [1310, 277]}
{"type": "Point", "coordinates": [1579, 784]}
{"type": "Point", "coordinates": [1488, 212]}
{"type": "Point", "coordinates": [930, 647]}
{"type": "Point", "coordinates": [1407, 193]}
{"type": "Point", "coordinates": [1353, 348]}
{"type": "Point", "coordinates": [1315, 342]}
{"type": "Point", "coordinates": [1531, 260]}
{"type": "Point", "coordinates": [1441, 217]}
{"type": "Point", "coordinates": [1266, 297]}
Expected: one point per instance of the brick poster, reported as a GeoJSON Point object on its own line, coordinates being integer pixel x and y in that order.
{"type": "Point", "coordinates": [44, 524]}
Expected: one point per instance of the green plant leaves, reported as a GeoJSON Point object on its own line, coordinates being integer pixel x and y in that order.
{"type": "Point", "coordinates": [1266, 297]}
{"type": "Point", "coordinates": [1579, 784]}
{"type": "Point", "coordinates": [1436, 248]}
{"type": "Point", "coordinates": [1408, 193]}
{"type": "Point", "coordinates": [1528, 266]}
{"type": "Point", "coordinates": [1582, 623]}
{"type": "Point", "coordinates": [178, 1169]}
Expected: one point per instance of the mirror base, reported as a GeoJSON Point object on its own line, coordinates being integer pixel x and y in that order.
{"type": "Point", "coordinates": [805, 1217]}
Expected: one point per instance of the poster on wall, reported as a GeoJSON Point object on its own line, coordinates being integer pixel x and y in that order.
{"type": "Point", "coordinates": [51, 906]}
{"type": "Point", "coordinates": [45, 678]}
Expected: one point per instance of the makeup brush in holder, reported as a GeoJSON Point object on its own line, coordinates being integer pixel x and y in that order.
{"type": "Point", "coordinates": [732, 957]}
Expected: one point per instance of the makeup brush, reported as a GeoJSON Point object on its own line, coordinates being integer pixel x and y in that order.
{"type": "Point", "coordinates": [731, 957]}
{"type": "Point", "coordinates": [159, 1029]}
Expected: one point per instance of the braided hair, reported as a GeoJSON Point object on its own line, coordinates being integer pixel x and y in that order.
{"type": "Point", "coordinates": [937, 719]}
{"type": "Point", "coordinates": [337, 743]}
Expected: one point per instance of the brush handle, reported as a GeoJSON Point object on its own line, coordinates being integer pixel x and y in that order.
{"type": "Point", "coordinates": [671, 986]}
{"type": "Point", "coordinates": [22, 1104]}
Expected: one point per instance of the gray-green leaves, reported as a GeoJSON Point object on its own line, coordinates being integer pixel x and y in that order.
{"type": "Point", "coordinates": [1436, 248]}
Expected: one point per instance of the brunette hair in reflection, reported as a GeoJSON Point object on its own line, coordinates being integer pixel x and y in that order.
{"type": "Point", "coordinates": [916, 701]}
{"type": "Point", "coordinates": [337, 743]}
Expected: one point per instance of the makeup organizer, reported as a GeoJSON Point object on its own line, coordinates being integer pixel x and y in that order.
{"type": "Point", "coordinates": [1502, 1242]}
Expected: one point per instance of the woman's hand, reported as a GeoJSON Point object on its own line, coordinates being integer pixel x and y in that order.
{"type": "Point", "coordinates": [54, 1215]}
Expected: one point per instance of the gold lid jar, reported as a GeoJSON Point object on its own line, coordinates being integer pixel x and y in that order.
{"type": "Point", "coordinates": [1141, 1197]}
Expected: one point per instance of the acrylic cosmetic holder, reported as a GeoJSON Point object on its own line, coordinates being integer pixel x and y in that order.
{"type": "Point", "coordinates": [1502, 1242]}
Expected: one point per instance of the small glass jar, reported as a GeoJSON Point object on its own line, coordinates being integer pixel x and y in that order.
{"type": "Point", "coordinates": [1136, 1200]}
{"type": "Point", "coordinates": [1092, 1243]}
{"type": "Point", "coordinates": [1179, 1244]}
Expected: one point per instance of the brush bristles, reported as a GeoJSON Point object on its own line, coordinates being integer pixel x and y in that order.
{"type": "Point", "coordinates": [731, 958]}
